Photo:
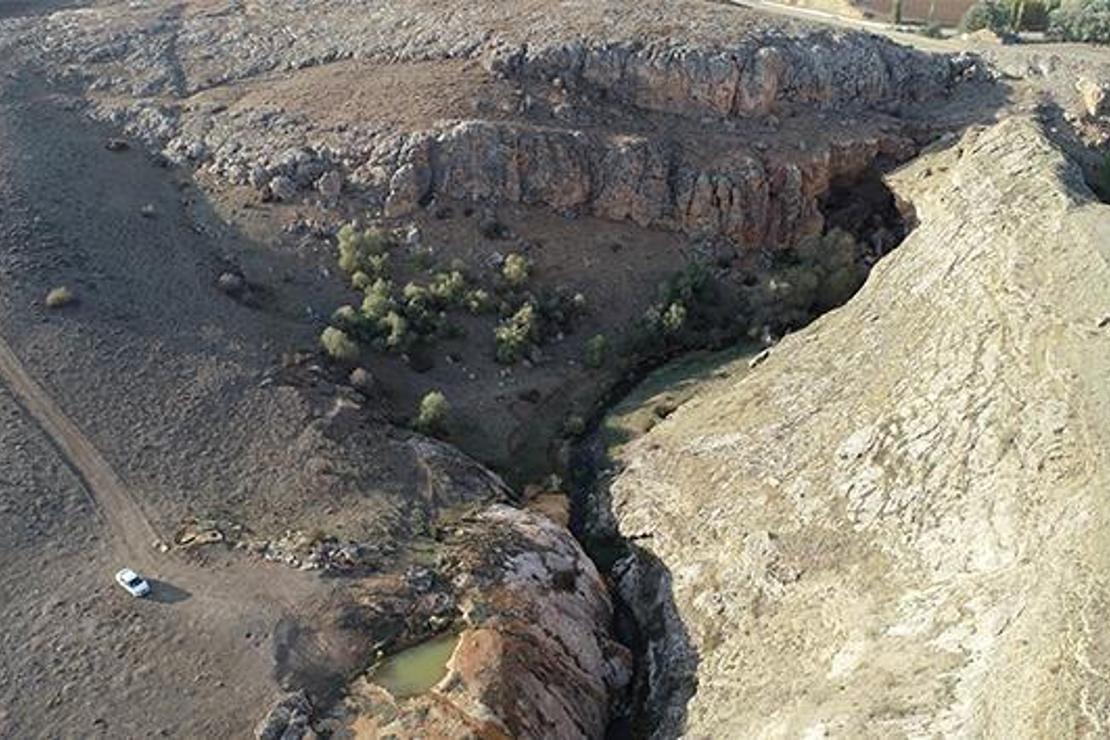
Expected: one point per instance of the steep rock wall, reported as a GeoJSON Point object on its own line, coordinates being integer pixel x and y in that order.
{"type": "Point", "coordinates": [751, 198]}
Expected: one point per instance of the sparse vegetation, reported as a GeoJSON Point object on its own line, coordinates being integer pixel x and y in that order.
{"type": "Point", "coordinates": [338, 345]}
{"type": "Point", "coordinates": [59, 297]}
{"type": "Point", "coordinates": [432, 416]}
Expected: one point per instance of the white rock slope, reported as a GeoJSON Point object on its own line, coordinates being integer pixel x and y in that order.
{"type": "Point", "coordinates": [898, 525]}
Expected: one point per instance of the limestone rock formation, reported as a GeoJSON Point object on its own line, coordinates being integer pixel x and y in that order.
{"type": "Point", "coordinates": [896, 524]}
{"type": "Point", "coordinates": [535, 658]}
{"type": "Point", "coordinates": [746, 197]}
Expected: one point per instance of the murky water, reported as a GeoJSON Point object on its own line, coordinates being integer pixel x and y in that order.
{"type": "Point", "coordinates": [416, 670]}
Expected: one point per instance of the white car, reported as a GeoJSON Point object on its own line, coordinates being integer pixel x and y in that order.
{"type": "Point", "coordinates": [133, 583]}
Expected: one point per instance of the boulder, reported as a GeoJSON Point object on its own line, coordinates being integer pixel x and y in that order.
{"type": "Point", "coordinates": [1094, 96]}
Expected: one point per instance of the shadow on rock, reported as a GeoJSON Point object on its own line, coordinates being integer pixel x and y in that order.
{"type": "Point", "coordinates": [646, 618]}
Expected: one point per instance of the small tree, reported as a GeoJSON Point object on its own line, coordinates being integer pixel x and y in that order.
{"type": "Point", "coordinates": [596, 349]}
{"type": "Point", "coordinates": [515, 333]}
{"type": "Point", "coordinates": [432, 415]}
{"type": "Point", "coordinates": [378, 300]}
{"type": "Point", "coordinates": [986, 14]}
{"type": "Point", "coordinates": [338, 345]}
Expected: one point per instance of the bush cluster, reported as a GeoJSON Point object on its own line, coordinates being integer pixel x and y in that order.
{"type": "Point", "coordinates": [391, 319]}
{"type": "Point", "coordinates": [1081, 20]}
{"type": "Point", "coordinates": [1008, 16]}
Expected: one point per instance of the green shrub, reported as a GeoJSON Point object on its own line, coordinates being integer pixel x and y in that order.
{"type": "Point", "coordinates": [986, 14]}
{"type": "Point", "coordinates": [360, 280]}
{"type": "Point", "coordinates": [338, 345]}
{"type": "Point", "coordinates": [516, 270]}
{"type": "Point", "coordinates": [596, 350]}
{"type": "Point", "coordinates": [931, 30]}
{"type": "Point", "coordinates": [363, 251]}
{"type": "Point", "coordinates": [478, 301]}
{"type": "Point", "coordinates": [345, 317]}
{"type": "Point", "coordinates": [432, 415]}
{"type": "Point", "coordinates": [378, 300]}
{"type": "Point", "coordinates": [514, 335]}
{"type": "Point", "coordinates": [395, 328]}
{"type": "Point", "coordinates": [674, 318]}
{"type": "Point", "coordinates": [448, 288]}
{"type": "Point", "coordinates": [60, 296]}
{"type": "Point", "coordinates": [1081, 20]}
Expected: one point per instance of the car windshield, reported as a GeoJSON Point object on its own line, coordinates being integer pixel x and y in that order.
{"type": "Point", "coordinates": [134, 581]}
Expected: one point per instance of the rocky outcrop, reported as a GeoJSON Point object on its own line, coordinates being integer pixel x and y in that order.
{"type": "Point", "coordinates": [287, 719]}
{"type": "Point", "coordinates": [535, 657]}
{"type": "Point", "coordinates": [750, 198]}
{"type": "Point", "coordinates": [895, 525]}
{"type": "Point", "coordinates": [754, 77]}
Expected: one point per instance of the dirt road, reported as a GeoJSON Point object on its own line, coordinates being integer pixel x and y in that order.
{"type": "Point", "coordinates": [134, 538]}
{"type": "Point", "coordinates": [132, 531]}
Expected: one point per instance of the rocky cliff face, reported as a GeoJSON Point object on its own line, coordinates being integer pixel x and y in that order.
{"type": "Point", "coordinates": [749, 198]}
{"type": "Point", "coordinates": [609, 111]}
{"type": "Point", "coordinates": [895, 525]}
